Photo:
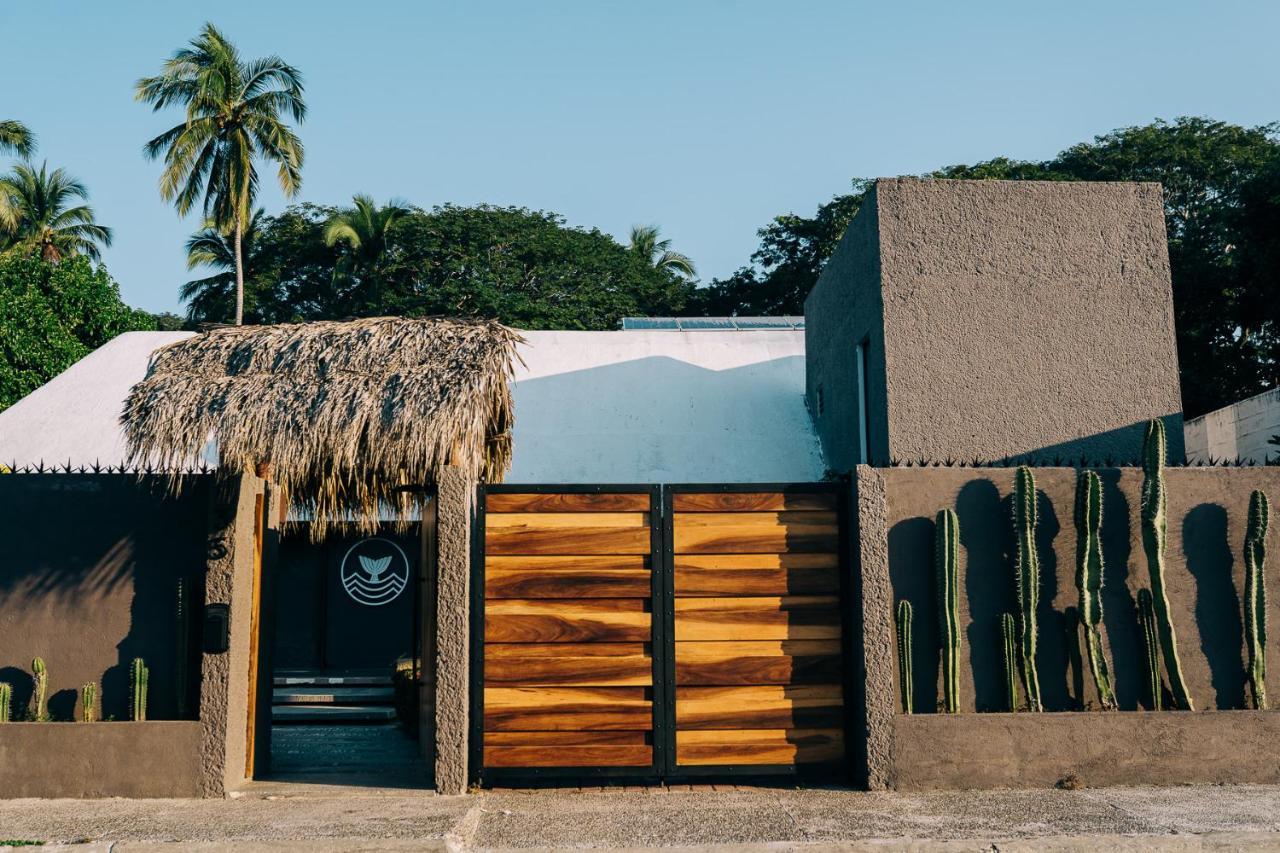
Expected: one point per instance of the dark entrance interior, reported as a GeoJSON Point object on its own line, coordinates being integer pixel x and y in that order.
{"type": "Point", "coordinates": [346, 657]}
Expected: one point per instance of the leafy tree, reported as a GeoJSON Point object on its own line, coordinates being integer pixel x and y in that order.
{"type": "Point", "coordinates": [53, 314]}
{"type": "Point", "coordinates": [235, 112]}
{"type": "Point", "coordinates": [793, 250]}
{"type": "Point", "coordinates": [44, 219]}
{"type": "Point", "coordinates": [214, 248]}
{"type": "Point", "coordinates": [16, 138]}
{"type": "Point", "coordinates": [647, 243]}
{"type": "Point", "coordinates": [365, 233]}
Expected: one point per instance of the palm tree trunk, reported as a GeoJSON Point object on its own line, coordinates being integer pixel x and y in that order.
{"type": "Point", "coordinates": [239, 276]}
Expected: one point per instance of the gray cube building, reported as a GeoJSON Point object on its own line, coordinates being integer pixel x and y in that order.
{"type": "Point", "coordinates": [995, 320]}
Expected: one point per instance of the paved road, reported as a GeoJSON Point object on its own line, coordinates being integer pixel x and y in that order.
{"type": "Point", "coordinates": [278, 816]}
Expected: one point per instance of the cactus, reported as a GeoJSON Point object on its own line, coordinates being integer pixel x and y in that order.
{"type": "Point", "coordinates": [139, 673]}
{"type": "Point", "coordinates": [1009, 630]}
{"type": "Point", "coordinates": [1154, 529]}
{"type": "Point", "coordinates": [1088, 517]}
{"type": "Point", "coordinates": [905, 681]}
{"type": "Point", "coordinates": [946, 558]}
{"type": "Point", "coordinates": [40, 685]}
{"type": "Point", "coordinates": [180, 662]}
{"type": "Point", "coordinates": [1151, 638]}
{"type": "Point", "coordinates": [89, 702]}
{"type": "Point", "coordinates": [1255, 602]}
{"type": "Point", "coordinates": [1025, 518]}
{"type": "Point", "coordinates": [6, 701]}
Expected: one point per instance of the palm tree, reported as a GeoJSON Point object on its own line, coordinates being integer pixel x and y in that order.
{"type": "Point", "coordinates": [234, 116]}
{"type": "Point", "coordinates": [15, 138]}
{"type": "Point", "coordinates": [44, 220]}
{"type": "Point", "coordinates": [215, 248]}
{"type": "Point", "coordinates": [365, 230]}
{"type": "Point", "coordinates": [657, 253]}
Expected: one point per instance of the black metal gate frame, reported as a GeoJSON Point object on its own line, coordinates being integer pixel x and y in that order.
{"type": "Point", "coordinates": [662, 639]}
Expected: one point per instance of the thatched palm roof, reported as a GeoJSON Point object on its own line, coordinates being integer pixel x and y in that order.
{"type": "Point", "coordinates": [346, 414]}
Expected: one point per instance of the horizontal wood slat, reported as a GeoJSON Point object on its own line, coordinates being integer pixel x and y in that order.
{"type": "Point", "coordinates": [567, 583]}
{"type": "Point", "coordinates": [700, 582]}
{"type": "Point", "coordinates": [746, 663]}
{"type": "Point", "coordinates": [566, 621]}
{"type": "Point", "coordinates": [755, 532]}
{"type": "Point", "coordinates": [777, 746]}
{"type": "Point", "coordinates": [569, 664]}
{"type": "Point", "coordinates": [572, 540]}
{"type": "Point", "coordinates": [566, 755]}
{"type": "Point", "coordinates": [606, 738]}
{"type": "Point", "coordinates": [539, 709]}
{"type": "Point", "coordinates": [751, 501]}
{"type": "Point", "coordinates": [561, 520]}
{"type": "Point", "coordinates": [689, 562]}
{"type": "Point", "coordinates": [761, 618]}
{"type": "Point", "coordinates": [759, 707]}
{"type": "Point", "coordinates": [567, 502]}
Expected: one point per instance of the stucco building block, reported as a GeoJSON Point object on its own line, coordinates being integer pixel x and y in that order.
{"type": "Point", "coordinates": [974, 751]}
{"type": "Point", "coordinates": [455, 498]}
{"type": "Point", "coordinates": [1003, 319]}
{"type": "Point", "coordinates": [116, 759]}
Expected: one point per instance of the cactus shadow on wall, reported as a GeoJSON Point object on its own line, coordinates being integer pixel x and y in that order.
{"type": "Point", "coordinates": [987, 541]}
{"type": "Point", "coordinates": [910, 548]}
{"type": "Point", "coordinates": [1210, 561]}
{"type": "Point", "coordinates": [1052, 659]}
{"type": "Point", "coordinates": [62, 705]}
{"type": "Point", "coordinates": [20, 680]}
{"type": "Point", "coordinates": [1124, 640]}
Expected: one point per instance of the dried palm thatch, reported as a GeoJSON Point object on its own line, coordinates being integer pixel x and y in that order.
{"type": "Point", "coordinates": [347, 414]}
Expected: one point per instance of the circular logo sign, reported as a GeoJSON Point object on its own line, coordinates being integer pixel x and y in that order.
{"type": "Point", "coordinates": [374, 571]}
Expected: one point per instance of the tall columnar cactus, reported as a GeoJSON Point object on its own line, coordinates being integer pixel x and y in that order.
{"type": "Point", "coordinates": [138, 692]}
{"type": "Point", "coordinates": [1088, 517]}
{"type": "Point", "coordinates": [1151, 639]}
{"type": "Point", "coordinates": [1009, 632]}
{"type": "Point", "coordinates": [180, 662]}
{"type": "Point", "coordinates": [6, 701]}
{"type": "Point", "coordinates": [1154, 530]}
{"type": "Point", "coordinates": [1025, 519]}
{"type": "Point", "coordinates": [947, 558]}
{"type": "Point", "coordinates": [40, 685]}
{"type": "Point", "coordinates": [906, 682]}
{"type": "Point", "coordinates": [89, 702]}
{"type": "Point", "coordinates": [1255, 602]}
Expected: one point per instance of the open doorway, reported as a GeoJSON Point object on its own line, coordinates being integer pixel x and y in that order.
{"type": "Point", "coordinates": [346, 657]}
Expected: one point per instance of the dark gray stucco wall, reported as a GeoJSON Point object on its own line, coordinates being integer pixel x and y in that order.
{"type": "Point", "coordinates": [1018, 318]}
{"type": "Point", "coordinates": [89, 581]}
{"type": "Point", "coordinates": [843, 309]}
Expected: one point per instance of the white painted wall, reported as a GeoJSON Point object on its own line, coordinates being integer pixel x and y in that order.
{"type": "Point", "coordinates": [1240, 430]}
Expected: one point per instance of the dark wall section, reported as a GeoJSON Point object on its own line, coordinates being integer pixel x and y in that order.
{"type": "Point", "coordinates": [89, 581]}
{"type": "Point", "coordinates": [1204, 574]}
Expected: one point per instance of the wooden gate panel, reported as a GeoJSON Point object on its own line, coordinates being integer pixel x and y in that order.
{"type": "Point", "coordinates": [757, 628]}
{"type": "Point", "coordinates": [568, 663]}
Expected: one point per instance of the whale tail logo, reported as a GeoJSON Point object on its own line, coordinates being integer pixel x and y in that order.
{"type": "Point", "coordinates": [374, 567]}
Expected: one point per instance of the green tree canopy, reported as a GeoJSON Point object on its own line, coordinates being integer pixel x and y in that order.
{"type": "Point", "coordinates": [39, 215]}
{"type": "Point", "coordinates": [52, 315]}
{"type": "Point", "coordinates": [526, 268]}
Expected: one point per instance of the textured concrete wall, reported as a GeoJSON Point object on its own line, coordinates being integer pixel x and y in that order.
{"type": "Point", "coordinates": [1018, 318]}
{"type": "Point", "coordinates": [151, 759]}
{"type": "Point", "coordinates": [843, 309]}
{"type": "Point", "coordinates": [89, 581]}
{"type": "Point", "coordinates": [873, 721]}
{"type": "Point", "coordinates": [1240, 431]}
{"type": "Point", "coordinates": [455, 497]}
{"type": "Point", "coordinates": [1204, 575]}
{"type": "Point", "coordinates": [225, 686]}
{"type": "Point", "coordinates": [1037, 750]}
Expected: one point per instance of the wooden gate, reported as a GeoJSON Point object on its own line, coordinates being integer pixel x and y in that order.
{"type": "Point", "coordinates": [650, 632]}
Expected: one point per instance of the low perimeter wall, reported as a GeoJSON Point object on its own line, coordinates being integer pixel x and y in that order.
{"type": "Point", "coordinates": [151, 759]}
{"type": "Point", "coordinates": [1113, 748]}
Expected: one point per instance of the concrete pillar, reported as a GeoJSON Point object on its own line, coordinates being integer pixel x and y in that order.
{"type": "Point", "coordinates": [455, 496]}
{"type": "Point", "coordinates": [874, 752]}
{"type": "Point", "coordinates": [224, 689]}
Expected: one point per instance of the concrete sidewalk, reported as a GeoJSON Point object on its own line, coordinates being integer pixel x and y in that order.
{"type": "Point", "coordinates": [278, 816]}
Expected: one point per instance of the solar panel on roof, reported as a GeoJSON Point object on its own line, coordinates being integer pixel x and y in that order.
{"type": "Point", "coordinates": [712, 324]}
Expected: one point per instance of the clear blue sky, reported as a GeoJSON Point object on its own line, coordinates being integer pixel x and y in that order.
{"type": "Point", "coordinates": [708, 118]}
